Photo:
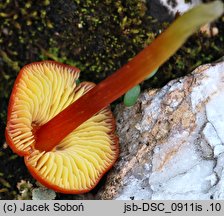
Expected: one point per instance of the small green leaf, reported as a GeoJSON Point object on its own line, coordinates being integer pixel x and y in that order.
{"type": "Point", "coordinates": [131, 96]}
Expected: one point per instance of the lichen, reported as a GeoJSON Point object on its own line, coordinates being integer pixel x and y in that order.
{"type": "Point", "coordinates": [42, 193]}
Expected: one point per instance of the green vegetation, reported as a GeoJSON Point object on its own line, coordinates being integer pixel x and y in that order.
{"type": "Point", "coordinates": [131, 96]}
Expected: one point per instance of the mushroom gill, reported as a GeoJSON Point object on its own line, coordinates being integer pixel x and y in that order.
{"type": "Point", "coordinates": [66, 131]}
{"type": "Point", "coordinates": [76, 164]}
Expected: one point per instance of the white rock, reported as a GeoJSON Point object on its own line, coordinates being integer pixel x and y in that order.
{"type": "Point", "coordinates": [166, 10]}
{"type": "Point", "coordinates": [180, 6]}
{"type": "Point", "coordinates": [172, 141]}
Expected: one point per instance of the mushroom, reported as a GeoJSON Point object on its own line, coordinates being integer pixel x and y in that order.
{"type": "Point", "coordinates": [76, 164]}
{"type": "Point", "coordinates": [135, 71]}
{"type": "Point", "coordinates": [65, 131]}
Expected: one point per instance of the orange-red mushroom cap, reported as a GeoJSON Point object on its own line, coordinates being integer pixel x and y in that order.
{"type": "Point", "coordinates": [74, 160]}
{"type": "Point", "coordinates": [77, 163]}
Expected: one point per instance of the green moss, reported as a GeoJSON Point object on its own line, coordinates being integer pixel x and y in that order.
{"type": "Point", "coordinates": [99, 36]}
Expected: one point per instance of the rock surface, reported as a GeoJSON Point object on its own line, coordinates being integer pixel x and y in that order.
{"type": "Point", "coordinates": [165, 10]}
{"type": "Point", "coordinates": [172, 141]}
{"type": "Point", "coordinates": [179, 6]}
